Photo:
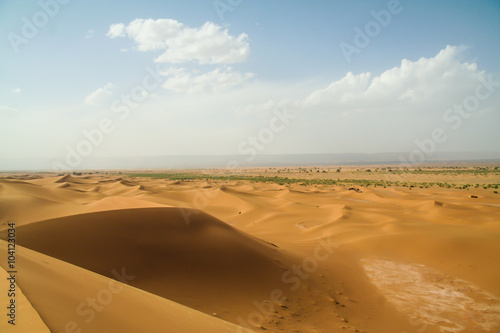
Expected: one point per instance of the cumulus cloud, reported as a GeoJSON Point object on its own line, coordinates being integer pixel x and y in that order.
{"type": "Point", "coordinates": [101, 95]}
{"type": "Point", "coordinates": [426, 84]}
{"type": "Point", "coordinates": [350, 87]}
{"type": "Point", "coordinates": [396, 107]}
{"type": "Point", "coordinates": [116, 30]}
{"type": "Point", "coordinates": [395, 110]}
{"type": "Point", "coordinates": [208, 44]}
{"type": "Point", "coordinates": [181, 80]}
{"type": "Point", "coordinates": [152, 34]}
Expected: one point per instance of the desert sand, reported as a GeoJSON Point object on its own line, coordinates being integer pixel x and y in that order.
{"type": "Point", "coordinates": [116, 253]}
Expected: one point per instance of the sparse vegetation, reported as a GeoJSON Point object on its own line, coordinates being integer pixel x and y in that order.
{"type": "Point", "coordinates": [310, 181]}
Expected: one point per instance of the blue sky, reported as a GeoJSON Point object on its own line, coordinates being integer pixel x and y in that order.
{"type": "Point", "coordinates": [224, 77]}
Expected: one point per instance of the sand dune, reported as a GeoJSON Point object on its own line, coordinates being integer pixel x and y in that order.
{"type": "Point", "coordinates": [216, 250]}
{"type": "Point", "coordinates": [208, 258]}
{"type": "Point", "coordinates": [61, 293]}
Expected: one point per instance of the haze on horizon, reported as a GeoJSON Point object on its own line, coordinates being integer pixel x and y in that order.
{"type": "Point", "coordinates": [160, 78]}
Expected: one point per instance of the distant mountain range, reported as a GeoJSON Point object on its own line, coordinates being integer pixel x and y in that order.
{"type": "Point", "coordinates": [230, 161]}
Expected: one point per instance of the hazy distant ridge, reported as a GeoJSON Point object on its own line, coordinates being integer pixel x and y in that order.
{"type": "Point", "coordinates": [221, 161]}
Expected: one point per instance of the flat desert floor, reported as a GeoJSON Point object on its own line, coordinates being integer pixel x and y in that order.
{"type": "Point", "coordinates": [132, 253]}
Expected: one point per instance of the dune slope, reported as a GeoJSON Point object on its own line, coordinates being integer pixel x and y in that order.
{"type": "Point", "coordinates": [203, 263]}
{"type": "Point", "coordinates": [69, 299]}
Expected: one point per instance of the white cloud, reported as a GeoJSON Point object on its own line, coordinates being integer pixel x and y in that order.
{"type": "Point", "coordinates": [391, 111]}
{"type": "Point", "coordinates": [89, 34]}
{"type": "Point", "coordinates": [345, 89]}
{"type": "Point", "coordinates": [209, 44]}
{"type": "Point", "coordinates": [101, 95]}
{"type": "Point", "coordinates": [180, 80]}
{"type": "Point", "coordinates": [153, 34]}
{"type": "Point", "coordinates": [426, 84]}
{"type": "Point", "coordinates": [17, 90]}
{"type": "Point", "coordinates": [116, 30]}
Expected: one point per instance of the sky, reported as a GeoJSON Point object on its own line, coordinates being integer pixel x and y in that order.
{"type": "Point", "coordinates": [81, 80]}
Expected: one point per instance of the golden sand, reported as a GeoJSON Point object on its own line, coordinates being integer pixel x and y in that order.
{"type": "Point", "coordinates": [103, 253]}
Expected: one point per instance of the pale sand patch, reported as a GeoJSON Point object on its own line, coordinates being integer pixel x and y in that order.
{"type": "Point", "coordinates": [430, 297]}
{"type": "Point", "coordinates": [309, 224]}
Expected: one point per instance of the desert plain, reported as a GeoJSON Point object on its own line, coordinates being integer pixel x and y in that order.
{"type": "Point", "coordinates": [373, 249]}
